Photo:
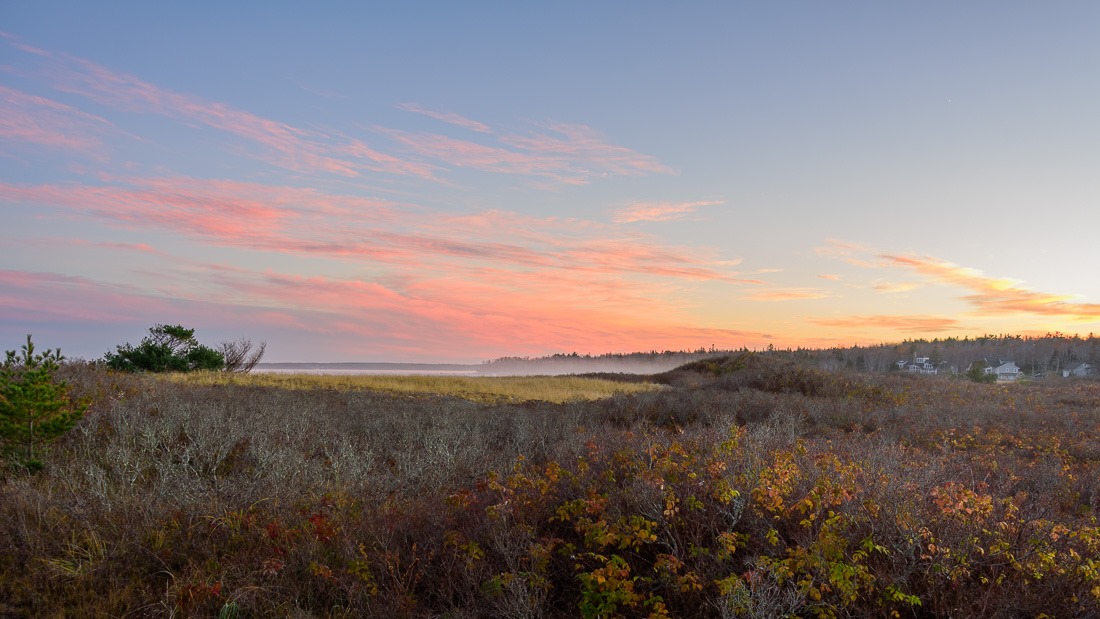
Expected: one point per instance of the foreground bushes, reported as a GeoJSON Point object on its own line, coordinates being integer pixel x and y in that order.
{"type": "Point", "coordinates": [721, 497]}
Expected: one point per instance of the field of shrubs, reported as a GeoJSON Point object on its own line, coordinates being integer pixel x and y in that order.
{"type": "Point", "coordinates": [749, 486]}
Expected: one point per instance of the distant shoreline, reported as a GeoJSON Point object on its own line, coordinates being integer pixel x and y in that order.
{"type": "Point", "coordinates": [368, 368]}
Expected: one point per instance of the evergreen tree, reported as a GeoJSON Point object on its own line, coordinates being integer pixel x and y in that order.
{"type": "Point", "coordinates": [978, 374]}
{"type": "Point", "coordinates": [35, 409]}
{"type": "Point", "coordinates": [167, 348]}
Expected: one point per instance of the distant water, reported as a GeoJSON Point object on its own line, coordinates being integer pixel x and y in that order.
{"type": "Point", "coordinates": [359, 372]}
{"type": "Point", "coordinates": [351, 369]}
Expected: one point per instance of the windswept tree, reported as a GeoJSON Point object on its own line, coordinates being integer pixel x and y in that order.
{"type": "Point", "coordinates": [35, 409]}
{"type": "Point", "coordinates": [240, 355]}
{"type": "Point", "coordinates": [167, 348]}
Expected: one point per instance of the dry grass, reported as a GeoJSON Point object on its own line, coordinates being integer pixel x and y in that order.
{"type": "Point", "coordinates": [486, 389]}
{"type": "Point", "coordinates": [746, 488]}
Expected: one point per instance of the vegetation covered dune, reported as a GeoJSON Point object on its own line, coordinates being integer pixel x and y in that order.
{"type": "Point", "coordinates": [751, 486]}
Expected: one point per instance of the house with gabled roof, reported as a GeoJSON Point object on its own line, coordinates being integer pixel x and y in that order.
{"type": "Point", "coordinates": [919, 365]}
{"type": "Point", "coordinates": [1004, 370]}
{"type": "Point", "coordinates": [1084, 369]}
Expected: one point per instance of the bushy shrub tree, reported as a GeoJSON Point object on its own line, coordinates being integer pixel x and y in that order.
{"type": "Point", "coordinates": [167, 348]}
{"type": "Point", "coordinates": [978, 374]}
{"type": "Point", "coordinates": [35, 409]}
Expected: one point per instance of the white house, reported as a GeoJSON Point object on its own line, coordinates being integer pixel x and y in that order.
{"type": "Point", "coordinates": [1005, 370]}
{"type": "Point", "coordinates": [922, 365]}
{"type": "Point", "coordinates": [1085, 369]}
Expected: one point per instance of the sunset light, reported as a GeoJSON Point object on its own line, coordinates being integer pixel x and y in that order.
{"type": "Point", "coordinates": [461, 185]}
{"type": "Point", "coordinates": [699, 310]}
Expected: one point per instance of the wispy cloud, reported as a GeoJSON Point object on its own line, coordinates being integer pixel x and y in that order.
{"type": "Point", "coordinates": [306, 221]}
{"type": "Point", "coordinates": [466, 154]}
{"type": "Point", "coordinates": [852, 253]}
{"type": "Point", "coordinates": [560, 152]}
{"type": "Point", "coordinates": [786, 294]}
{"type": "Point", "coordinates": [38, 120]}
{"type": "Point", "coordinates": [569, 154]}
{"type": "Point", "coordinates": [447, 117]}
{"type": "Point", "coordinates": [894, 287]}
{"type": "Point", "coordinates": [635, 255]}
{"type": "Point", "coordinates": [180, 209]}
{"type": "Point", "coordinates": [990, 296]}
{"type": "Point", "coordinates": [909, 324]}
{"type": "Point", "coordinates": [445, 318]}
{"type": "Point", "coordinates": [585, 145]}
{"type": "Point", "coordinates": [998, 295]}
{"type": "Point", "coordinates": [57, 241]}
{"type": "Point", "coordinates": [280, 143]}
{"type": "Point", "coordinates": [484, 282]}
{"type": "Point", "coordinates": [659, 211]}
{"type": "Point", "coordinates": [38, 297]}
{"type": "Point", "coordinates": [492, 314]}
{"type": "Point", "coordinates": [829, 276]}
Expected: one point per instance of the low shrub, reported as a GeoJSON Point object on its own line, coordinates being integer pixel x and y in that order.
{"type": "Point", "coordinates": [845, 496]}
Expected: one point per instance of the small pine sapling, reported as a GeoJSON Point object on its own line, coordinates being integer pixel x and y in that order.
{"type": "Point", "coordinates": [35, 409]}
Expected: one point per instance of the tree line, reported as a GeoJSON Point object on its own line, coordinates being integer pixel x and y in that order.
{"type": "Point", "coordinates": [1047, 354]}
{"type": "Point", "coordinates": [1044, 355]}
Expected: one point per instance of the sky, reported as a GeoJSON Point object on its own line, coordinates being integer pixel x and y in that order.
{"type": "Point", "coordinates": [456, 182]}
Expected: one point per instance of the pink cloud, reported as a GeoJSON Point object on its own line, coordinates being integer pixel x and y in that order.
{"type": "Point", "coordinates": [584, 144]}
{"type": "Point", "coordinates": [515, 292]}
{"type": "Point", "coordinates": [197, 214]}
{"type": "Point", "coordinates": [659, 211]}
{"type": "Point", "coordinates": [29, 118]}
{"type": "Point", "coordinates": [92, 316]}
{"type": "Point", "coordinates": [305, 221]}
{"type": "Point", "coordinates": [214, 209]}
{"type": "Point", "coordinates": [51, 297]}
{"type": "Point", "coordinates": [612, 255]}
{"type": "Point", "coordinates": [466, 280]}
{"type": "Point", "coordinates": [478, 315]}
{"type": "Point", "coordinates": [71, 242]}
{"type": "Point", "coordinates": [293, 148]}
{"type": "Point", "coordinates": [910, 324]}
{"type": "Point", "coordinates": [584, 246]}
{"type": "Point", "coordinates": [528, 229]}
{"type": "Point", "coordinates": [829, 276]}
{"type": "Point", "coordinates": [483, 314]}
{"type": "Point", "coordinates": [447, 117]}
{"type": "Point", "coordinates": [561, 153]}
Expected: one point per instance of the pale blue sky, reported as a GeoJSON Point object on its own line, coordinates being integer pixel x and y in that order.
{"type": "Point", "coordinates": [436, 181]}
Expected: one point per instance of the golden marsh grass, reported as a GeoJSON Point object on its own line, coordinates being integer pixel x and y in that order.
{"type": "Point", "coordinates": [555, 389]}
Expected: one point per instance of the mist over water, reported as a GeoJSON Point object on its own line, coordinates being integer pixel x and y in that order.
{"type": "Point", "coordinates": [365, 371]}
{"type": "Point", "coordinates": [542, 366]}
{"type": "Point", "coordinates": [582, 367]}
